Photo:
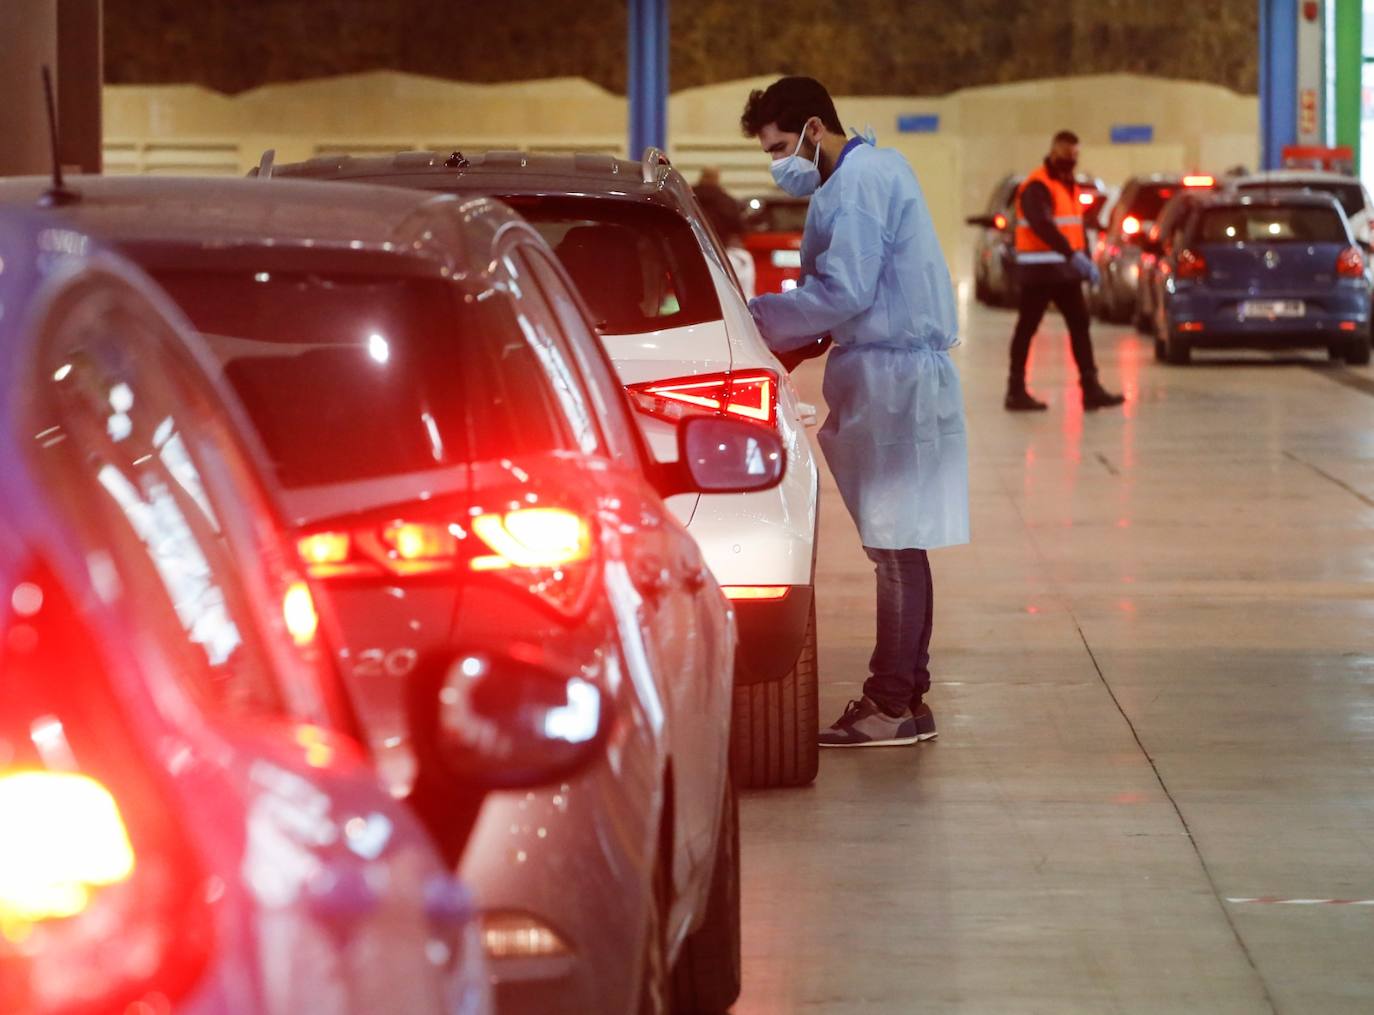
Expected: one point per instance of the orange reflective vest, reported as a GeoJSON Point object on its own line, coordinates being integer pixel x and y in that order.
{"type": "Point", "coordinates": [1068, 217]}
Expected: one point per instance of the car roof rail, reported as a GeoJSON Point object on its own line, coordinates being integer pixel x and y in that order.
{"type": "Point", "coordinates": [652, 163]}
{"type": "Point", "coordinates": [263, 170]}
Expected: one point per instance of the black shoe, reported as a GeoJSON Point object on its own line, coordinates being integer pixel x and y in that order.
{"type": "Point", "coordinates": [1098, 397]}
{"type": "Point", "coordinates": [1023, 401]}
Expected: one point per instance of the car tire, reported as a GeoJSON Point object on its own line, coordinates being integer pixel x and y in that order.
{"type": "Point", "coordinates": [1178, 350]}
{"type": "Point", "coordinates": [709, 970]}
{"type": "Point", "coordinates": [1357, 351]}
{"type": "Point", "coordinates": [1160, 353]}
{"type": "Point", "coordinates": [776, 723]}
{"type": "Point", "coordinates": [655, 981]}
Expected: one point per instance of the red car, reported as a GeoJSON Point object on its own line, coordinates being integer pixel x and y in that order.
{"type": "Point", "coordinates": [772, 235]}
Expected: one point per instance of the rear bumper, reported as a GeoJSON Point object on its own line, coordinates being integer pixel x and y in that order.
{"type": "Point", "coordinates": [771, 635]}
{"type": "Point", "coordinates": [1213, 321]}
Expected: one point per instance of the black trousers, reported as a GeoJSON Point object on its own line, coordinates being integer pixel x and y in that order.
{"type": "Point", "coordinates": [899, 671]}
{"type": "Point", "coordinates": [1035, 299]}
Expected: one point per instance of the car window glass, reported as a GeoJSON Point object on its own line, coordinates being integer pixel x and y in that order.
{"type": "Point", "coordinates": [1261, 224]}
{"type": "Point", "coordinates": [638, 267]}
{"type": "Point", "coordinates": [127, 439]}
{"type": "Point", "coordinates": [536, 320]}
{"type": "Point", "coordinates": [1350, 195]}
{"type": "Point", "coordinates": [603, 384]}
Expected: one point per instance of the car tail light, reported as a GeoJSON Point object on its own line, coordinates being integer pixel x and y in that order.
{"type": "Point", "coordinates": [298, 610]}
{"type": "Point", "coordinates": [751, 395]}
{"type": "Point", "coordinates": [1350, 263]}
{"type": "Point", "coordinates": [1199, 180]}
{"type": "Point", "coordinates": [548, 550]}
{"type": "Point", "coordinates": [1130, 226]}
{"type": "Point", "coordinates": [755, 592]}
{"type": "Point", "coordinates": [1085, 199]}
{"type": "Point", "coordinates": [1191, 265]}
{"type": "Point", "coordinates": [104, 905]}
{"type": "Point", "coordinates": [999, 221]}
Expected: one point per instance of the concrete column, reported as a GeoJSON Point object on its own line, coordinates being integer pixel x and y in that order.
{"type": "Point", "coordinates": [648, 78]}
{"type": "Point", "coordinates": [80, 59]}
{"type": "Point", "coordinates": [1278, 67]}
{"type": "Point", "coordinates": [29, 31]}
{"type": "Point", "coordinates": [1349, 30]}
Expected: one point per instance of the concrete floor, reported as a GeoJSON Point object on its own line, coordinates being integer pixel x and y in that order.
{"type": "Point", "coordinates": [1154, 681]}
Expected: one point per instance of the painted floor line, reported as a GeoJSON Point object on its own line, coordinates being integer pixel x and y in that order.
{"type": "Point", "coordinates": [1269, 900]}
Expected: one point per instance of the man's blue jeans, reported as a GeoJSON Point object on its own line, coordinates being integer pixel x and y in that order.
{"type": "Point", "coordinates": [899, 670]}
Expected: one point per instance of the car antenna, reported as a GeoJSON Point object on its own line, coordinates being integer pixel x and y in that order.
{"type": "Point", "coordinates": [56, 195]}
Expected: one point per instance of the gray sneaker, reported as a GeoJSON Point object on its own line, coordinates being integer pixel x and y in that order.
{"type": "Point", "coordinates": [925, 722]}
{"type": "Point", "coordinates": [864, 724]}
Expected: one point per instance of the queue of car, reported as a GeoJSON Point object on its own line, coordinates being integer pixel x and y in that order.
{"type": "Point", "coordinates": [388, 544]}
{"type": "Point", "coordinates": [1271, 260]}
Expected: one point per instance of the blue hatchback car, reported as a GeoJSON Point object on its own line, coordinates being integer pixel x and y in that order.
{"type": "Point", "coordinates": [1262, 272]}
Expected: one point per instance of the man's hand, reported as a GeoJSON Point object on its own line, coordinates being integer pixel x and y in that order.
{"type": "Point", "coordinates": [1083, 264]}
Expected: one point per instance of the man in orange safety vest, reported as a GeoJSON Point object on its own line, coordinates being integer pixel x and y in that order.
{"type": "Point", "coordinates": [1051, 266]}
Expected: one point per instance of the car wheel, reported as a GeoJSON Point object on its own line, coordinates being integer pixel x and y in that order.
{"type": "Point", "coordinates": [1178, 350]}
{"type": "Point", "coordinates": [775, 725]}
{"type": "Point", "coordinates": [655, 987]}
{"type": "Point", "coordinates": [1357, 351]}
{"type": "Point", "coordinates": [1160, 353]}
{"type": "Point", "coordinates": [708, 973]}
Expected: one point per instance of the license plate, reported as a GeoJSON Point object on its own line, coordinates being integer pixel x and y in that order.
{"type": "Point", "coordinates": [1273, 309]}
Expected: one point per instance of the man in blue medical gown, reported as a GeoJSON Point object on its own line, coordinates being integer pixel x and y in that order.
{"type": "Point", "coordinates": [874, 279]}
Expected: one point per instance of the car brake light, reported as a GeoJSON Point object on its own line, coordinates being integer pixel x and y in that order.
{"type": "Point", "coordinates": [1199, 181]}
{"type": "Point", "coordinates": [544, 549]}
{"type": "Point", "coordinates": [750, 395]}
{"type": "Point", "coordinates": [1130, 225]}
{"type": "Point", "coordinates": [298, 610]}
{"type": "Point", "coordinates": [755, 592]}
{"type": "Point", "coordinates": [1191, 265]}
{"type": "Point", "coordinates": [999, 221]}
{"type": "Point", "coordinates": [1350, 263]}
{"type": "Point", "coordinates": [532, 538]}
{"type": "Point", "coordinates": [1085, 199]}
{"type": "Point", "coordinates": [97, 872]}
{"type": "Point", "coordinates": [70, 839]}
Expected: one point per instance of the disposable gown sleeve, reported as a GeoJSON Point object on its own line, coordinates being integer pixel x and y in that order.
{"type": "Point", "coordinates": [843, 285]}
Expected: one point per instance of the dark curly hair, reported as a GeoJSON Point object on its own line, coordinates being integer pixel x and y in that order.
{"type": "Point", "coordinates": [789, 102]}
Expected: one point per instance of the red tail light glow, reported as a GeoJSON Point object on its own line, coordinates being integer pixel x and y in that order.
{"type": "Point", "coordinates": [545, 549]}
{"type": "Point", "coordinates": [97, 872]}
{"type": "Point", "coordinates": [1199, 181]}
{"type": "Point", "coordinates": [1350, 263]}
{"type": "Point", "coordinates": [751, 395]}
{"type": "Point", "coordinates": [1086, 198]}
{"type": "Point", "coordinates": [755, 592]}
{"type": "Point", "coordinates": [1191, 265]}
{"type": "Point", "coordinates": [298, 610]}
{"type": "Point", "coordinates": [1130, 226]}
{"type": "Point", "coordinates": [999, 221]}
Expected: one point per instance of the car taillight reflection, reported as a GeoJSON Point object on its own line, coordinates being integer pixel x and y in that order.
{"type": "Point", "coordinates": [298, 610]}
{"type": "Point", "coordinates": [61, 836]}
{"type": "Point", "coordinates": [752, 396]}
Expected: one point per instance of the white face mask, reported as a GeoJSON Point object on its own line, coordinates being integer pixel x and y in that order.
{"type": "Point", "coordinates": [796, 175]}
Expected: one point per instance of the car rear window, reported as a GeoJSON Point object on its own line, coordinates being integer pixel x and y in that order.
{"type": "Point", "coordinates": [639, 267]}
{"type": "Point", "coordinates": [350, 377]}
{"type": "Point", "coordinates": [1350, 195]}
{"type": "Point", "coordinates": [1149, 199]}
{"type": "Point", "coordinates": [776, 216]}
{"type": "Point", "coordinates": [1268, 224]}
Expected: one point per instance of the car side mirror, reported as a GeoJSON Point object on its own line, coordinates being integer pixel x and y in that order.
{"type": "Point", "coordinates": [485, 720]}
{"type": "Point", "coordinates": [720, 455]}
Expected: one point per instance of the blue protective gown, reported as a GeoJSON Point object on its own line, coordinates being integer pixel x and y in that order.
{"type": "Point", "coordinates": [874, 278]}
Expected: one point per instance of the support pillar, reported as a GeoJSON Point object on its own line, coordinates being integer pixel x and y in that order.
{"type": "Point", "coordinates": [1349, 31]}
{"type": "Point", "coordinates": [29, 31]}
{"type": "Point", "coordinates": [1278, 79]}
{"type": "Point", "coordinates": [648, 78]}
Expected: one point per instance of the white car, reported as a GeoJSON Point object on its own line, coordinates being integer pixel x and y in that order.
{"type": "Point", "coordinates": [676, 325]}
{"type": "Point", "coordinates": [1347, 190]}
